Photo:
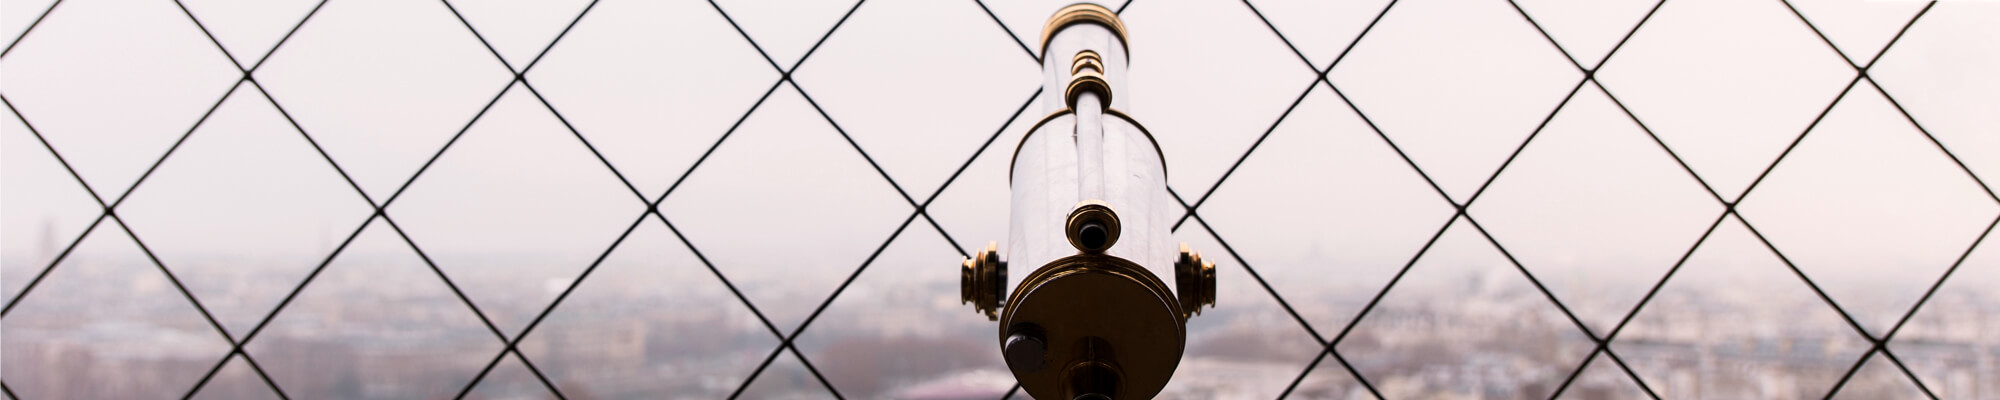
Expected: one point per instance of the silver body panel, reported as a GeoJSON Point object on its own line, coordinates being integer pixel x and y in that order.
{"type": "Point", "coordinates": [1088, 154]}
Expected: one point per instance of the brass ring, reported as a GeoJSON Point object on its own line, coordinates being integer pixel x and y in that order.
{"type": "Point", "coordinates": [1090, 63]}
{"type": "Point", "coordinates": [982, 280]}
{"type": "Point", "coordinates": [1087, 81]}
{"type": "Point", "coordinates": [1084, 59]}
{"type": "Point", "coordinates": [1087, 213]}
{"type": "Point", "coordinates": [1194, 282]}
{"type": "Point", "coordinates": [1084, 13]}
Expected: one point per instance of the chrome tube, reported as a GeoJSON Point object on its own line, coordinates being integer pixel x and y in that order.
{"type": "Point", "coordinates": [1089, 209]}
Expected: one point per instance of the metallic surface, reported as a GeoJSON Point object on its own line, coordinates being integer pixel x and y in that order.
{"type": "Point", "coordinates": [1082, 13]}
{"type": "Point", "coordinates": [1026, 349]}
{"type": "Point", "coordinates": [982, 279]}
{"type": "Point", "coordinates": [1050, 177]}
{"type": "Point", "coordinates": [1089, 205]}
{"type": "Point", "coordinates": [1126, 119]}
{"type": "Point", "coordinates": [1101, 310]}
{"type": "Point", "coordinates": [1194, 280]}
{"type": "Point", "coordinates": [1091, 213]}
{"type": "Point", "coordinates": [1087, 76]}
{"type": "Point", "coordinates": [1086, 59]}
{"type": "Point", "coordinates": [1086, 81]}
{"type": "Point", "coordinates": [1096, 33]}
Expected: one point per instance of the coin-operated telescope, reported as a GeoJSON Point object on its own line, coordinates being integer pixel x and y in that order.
{"type": "Point", "coordinates": [1090, 207]}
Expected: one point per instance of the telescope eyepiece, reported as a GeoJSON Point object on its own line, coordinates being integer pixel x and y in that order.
{"type": "Point", "coordinates": [1093, 227]}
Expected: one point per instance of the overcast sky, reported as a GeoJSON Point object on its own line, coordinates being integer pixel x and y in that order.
{"type": "Point", "coordinates": [1866, 200]}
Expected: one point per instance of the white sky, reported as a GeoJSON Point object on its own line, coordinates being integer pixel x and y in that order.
{"type": "Point", "coordinates": [1866, 202]}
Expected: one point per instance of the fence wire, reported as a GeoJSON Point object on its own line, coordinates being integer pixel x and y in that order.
{"type": "Point", "coordinates": [786, 339]}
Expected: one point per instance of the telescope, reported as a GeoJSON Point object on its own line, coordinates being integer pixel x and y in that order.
{"type": "Point", "coordinates": [1089, 206]}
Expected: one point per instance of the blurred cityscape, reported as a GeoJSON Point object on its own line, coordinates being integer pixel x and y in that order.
{"type": "Point", "coordinates": [1868, 202]}
{"type": "Point", "coordinates": [385, 328]}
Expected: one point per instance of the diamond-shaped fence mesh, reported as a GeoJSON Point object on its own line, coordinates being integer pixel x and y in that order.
{"type": "Point", "coordinates": [1353, 184]}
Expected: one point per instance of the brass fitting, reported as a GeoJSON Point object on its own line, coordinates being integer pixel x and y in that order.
{"type": "Point", "coordinates": [1086, 71]}
{"type": "Point", "coordinates": [1084, 13]}
{"type": "Point", "coordinates": [981, 281]}
{"type": "Point", "coordinates": [1086, 59]}
{"type": "Point", "coordinates": [1092, 227]}
{"type": "Point", "coordinates": [1194, 280]}
{"type": "Point", "coordinates": [1086, 81]}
